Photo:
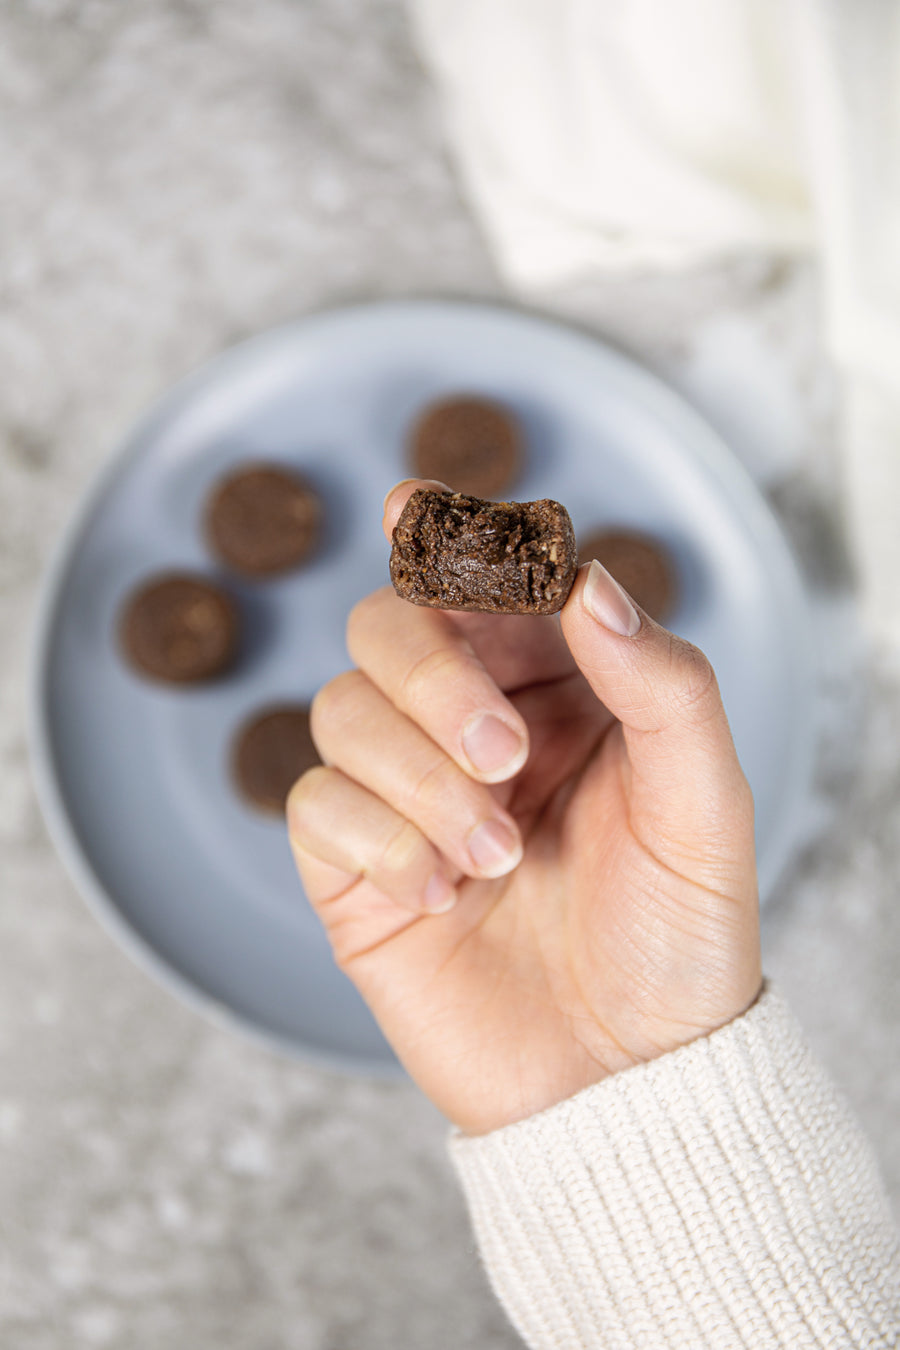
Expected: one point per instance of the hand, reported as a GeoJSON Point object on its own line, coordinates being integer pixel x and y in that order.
{"type": "Point", "coordinates": [531, 846]}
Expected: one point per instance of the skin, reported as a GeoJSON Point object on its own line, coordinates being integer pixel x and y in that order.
{"type": "Point", "coordinates": [622, 923]}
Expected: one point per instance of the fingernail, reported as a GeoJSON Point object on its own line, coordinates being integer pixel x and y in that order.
{"type": "Point", "coordinates": [494, 848]}
{"type": "Point", "coordinates": [391, 491]}
{"type": "Point", "coordinates": [606, 602]}
{"type": "Point", "coordinates": [423, 482]}
{"type": "Point", "coordinates": [439, 895]}
{"type": "Point", "coordinates": [491, 745]}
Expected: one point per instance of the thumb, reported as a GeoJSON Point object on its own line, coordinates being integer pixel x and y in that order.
{"type": "Point", "coordinates": [689, 801]}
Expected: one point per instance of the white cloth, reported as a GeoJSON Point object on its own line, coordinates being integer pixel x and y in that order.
{"type": "Point", "coordinates": [593, 135]}
{"type": "Point", "coordinates": [718, 1198]}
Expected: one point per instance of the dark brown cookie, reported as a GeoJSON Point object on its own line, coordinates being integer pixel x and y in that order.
{"type": "Point", "coordinates": [470, 444]}
{"type": "Point", "coordinates": [263, 519]}
{"type": "Point", "coordinates": [180, 628]}
{"type": "Point", "coordinates": [269, 754]}
{"type": "Point", "coordinates": [640, 564]}
{"type": "Point", "coordinates": [452, 551]}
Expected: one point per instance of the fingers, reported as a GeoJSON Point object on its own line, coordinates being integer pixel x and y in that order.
{"type": "Point", "coordinates": [687, 783]}
{"type": "Point", "coordinates": [655, 683]}
{"type": "Point", "coordinates": [360, 732]}
{"type": "Point", "coordinates": [425, 665]}
{"type": "Point", "coordinates": [513, 650]}
{"type": "Point", "coordinates": [340, 832]}
{"type": "Point", "coordinates": [400, 494]}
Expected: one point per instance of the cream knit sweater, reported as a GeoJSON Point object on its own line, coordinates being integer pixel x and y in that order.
{"type": "Point", "coordinates": [721, 1196]}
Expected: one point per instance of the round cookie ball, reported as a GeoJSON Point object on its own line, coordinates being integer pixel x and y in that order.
{"type": "Point", "coordinates": [640, 564]}
{"type": "Point", "coordinates": [179, 628]}
{"type": "Point", "coordinates": [269, 754]}
{"type": "Point", "coordinates": [471, 444]}
{"type": "Point", "coordinates": [263, 519]}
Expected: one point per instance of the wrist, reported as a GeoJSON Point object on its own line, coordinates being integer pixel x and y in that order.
{"type": "Point", "coordinates": [591, 1060]}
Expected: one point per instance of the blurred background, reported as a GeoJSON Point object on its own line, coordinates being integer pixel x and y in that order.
{"type": "Point", "coordinates": [175, 176]}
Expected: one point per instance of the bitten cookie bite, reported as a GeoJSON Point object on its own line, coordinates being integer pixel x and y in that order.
{"type": "Point", "coordinates": [263, 519]}
{"type": "Point", "coordinates": [471, 444]}
{"type": "Point", "coordinates": [179, 628]}
{"type": "Point", "coordinates": [269, 754]}
{"type": "Point", "coordinates": [640, 564]}
{"type": "Point", "coordinates": [452, 551]}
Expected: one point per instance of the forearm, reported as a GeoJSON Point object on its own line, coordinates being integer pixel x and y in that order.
{"type": "Point", "coordinates": [720, 1196]}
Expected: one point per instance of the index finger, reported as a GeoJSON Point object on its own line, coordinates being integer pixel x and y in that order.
{"type": "Point", "coordinates": [400, 494]}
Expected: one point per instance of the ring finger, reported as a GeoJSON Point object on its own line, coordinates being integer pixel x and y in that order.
{"type": "Point", "coordinates": [341, 832]}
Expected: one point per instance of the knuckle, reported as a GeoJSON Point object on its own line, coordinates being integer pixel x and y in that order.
{"type": "Point", "coordinates": [745, 804]}
{"type": "Point", "coordinates": [336, 700]}
{"type": "Point", "coordinates": [417, 685]}
{"type": "Point", "coordinates": [307, 796]}
{"type": "Point", "coordinates": [692, 684]}
{"type": "Point", "coordinates": [400, 850]}
{"type": "Point", "coordinates": [435, 787]}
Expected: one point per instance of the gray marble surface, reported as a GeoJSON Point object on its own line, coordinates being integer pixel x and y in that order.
{"type": "Point", "coordinates": [175, 175]}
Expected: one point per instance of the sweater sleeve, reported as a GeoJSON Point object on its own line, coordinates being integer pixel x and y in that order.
{"type": "Point", "coordinates": [718, 1197]}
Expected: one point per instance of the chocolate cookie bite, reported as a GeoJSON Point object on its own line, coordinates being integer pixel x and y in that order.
{"type": "Point", "coordinates": [269, 754]}
{"type": "Point", "coordinates": [639, 563]}
{"type": "Point", "coordinates": [179, 628]}
{"type": "Point", "coordinates": [471, 444]}
{"type": "Point", "coordinates": [263, 519]}
{"type": "Point", "coordinates": [452, 551]}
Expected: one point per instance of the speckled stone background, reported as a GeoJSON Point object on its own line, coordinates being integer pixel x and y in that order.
{"type": "Point", "coordinates": [175, 175]}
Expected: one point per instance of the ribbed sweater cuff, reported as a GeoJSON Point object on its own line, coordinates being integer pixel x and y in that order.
{"type": "Point", "coordinates": [721, 1196]}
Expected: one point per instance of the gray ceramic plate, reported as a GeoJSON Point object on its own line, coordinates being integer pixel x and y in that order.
{"type": "Point", "coordinates": [133, 777]}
